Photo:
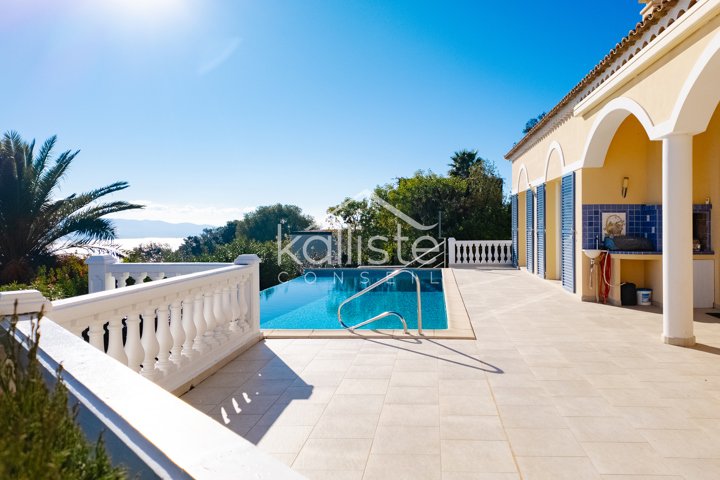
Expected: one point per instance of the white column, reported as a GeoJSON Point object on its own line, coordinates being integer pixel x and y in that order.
{"type": "Point", "coordinates": [677, 187]}
{"type": "Point", "coordinates": [451, 251]}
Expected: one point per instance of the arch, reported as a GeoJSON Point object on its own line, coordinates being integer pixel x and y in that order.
{"type": "Point", "coordinates": [523, 172]}
{"type": "Point", "coordinates": [605, 126]}
{"type": "Point", "coordinates": [554, 147]}
{"type": "Point", "coordinates": [699, 96]}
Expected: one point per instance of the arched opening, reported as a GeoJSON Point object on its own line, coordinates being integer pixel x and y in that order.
{"type": "Point", "coordinates": [554, 165]}
{"type": "Point", "coordinates": [700, 95]}
{"type": "Point", "coordinates": [621, 196]}
{"type": "Point", "coordinates": [522, 185]}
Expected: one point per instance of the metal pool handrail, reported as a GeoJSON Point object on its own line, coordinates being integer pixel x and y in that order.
{"type": "Point", "coordinates": [384, 314]}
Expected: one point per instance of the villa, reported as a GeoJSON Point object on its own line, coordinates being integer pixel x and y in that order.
{"type": "Point", "coordinates": [638, 138]}
{"type": "Point", "coordinates": [510, 359]}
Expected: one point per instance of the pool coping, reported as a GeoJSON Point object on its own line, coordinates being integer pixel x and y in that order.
{"type": "Point", "coordinates": [459, 326]}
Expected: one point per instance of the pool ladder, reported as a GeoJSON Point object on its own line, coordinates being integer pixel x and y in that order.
{"type": "Point", "coordinates": [388, 313]}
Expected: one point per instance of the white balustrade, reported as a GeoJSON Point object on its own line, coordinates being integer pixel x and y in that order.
{"type": "Point", "coordinates": [202, 318]}
{"type": "Point", "coordinates": [105, 271]}
{"type": "Point", "coordinates": [489, 253]}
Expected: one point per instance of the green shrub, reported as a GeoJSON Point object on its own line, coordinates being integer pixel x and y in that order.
{"type": "Point", "coordinates": [63, 277]}
{"type": "Point", "coordinates": [40, 438]}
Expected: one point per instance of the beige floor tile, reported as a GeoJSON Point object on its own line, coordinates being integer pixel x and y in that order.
{"type": "Point", "coordinates": [557, 468]}
{"type": "Point", "coordinates": [625, 458]}
{"type": "Point", "coordinates": [684, 443]}
{"type": "Point", "coordinates": [333, 454]}
{"type": "Point", "coordinates": [641, 477]}
{"type": "Point", "coordinates": [531, 416]}
{"type": "Point", "coordinates": [464, 387]}
{"type": "Point", "coordinates": [479, 476]}
{"type": "Point", "coordinates": [330, 474]}
{"type": "Point", "coordinates": [309, 394]}
{"type": "Point", "coordinates": [414, 379]}
{"type": "Point", "coordinates": [369, 371]}
{"type": "Point", "coordinates": [412, 395]}
{"type": "Point", "coordinates": [453, 427]}
{"type": "Point", "coordinates": [406, 440]}
{"type": "Point", "coordinates": [350, 404]}
{"type": "Point", "coordinates": [584, 407]}
{"type": "Point", "coordinates": [603, 429]}
{"type": "Point", "coordinates": [279, 439]}
{"type": "Point", "coordinates": [544, 442]}
{"type": "Point", "coordinates": [292, 414]}
{"type": "Point", "coordinates": [250, 405]}
{"type": "Point", "coordinates": [694, 468]}
{"type": "Point", "coordinates": [346, 426]}
{"type": "Point", "coordinates": [632, 397]}
{"type": "Point", "coordinates": [466, 405]}
{"type": "Point", "coordinates": [319, 379]}
{"type": "Point", "coordinates": [403, 467]}
{"type": "Point", "coordinates": [417, 415]}
{"type": "Point", "coordinates": [363, 386]}
{"type": "Point", "coordinates": [661, 418]}
{"type": "Point", "coordinates": [521, 396]}
{"type": "Point", "coordinates": [477, 456]}
{"type": "Point", "coordinates": [207, 395]}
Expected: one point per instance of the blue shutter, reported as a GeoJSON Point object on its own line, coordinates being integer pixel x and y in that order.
{"type": "Point", "coordinates": [514, 228]}
{"type": "Point", "coordinates": [541, 230]}
{"type": "Point", "coordinates": [529, 230]}
{"type": "Point", "coordinates": [568, 232]}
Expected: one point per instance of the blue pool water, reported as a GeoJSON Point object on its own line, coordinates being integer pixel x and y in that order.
{"type": "Point", "coordinates": [311, 301]}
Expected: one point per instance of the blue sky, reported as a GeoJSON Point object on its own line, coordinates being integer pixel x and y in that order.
{"type": "Point", "coordinates": [210, 108]}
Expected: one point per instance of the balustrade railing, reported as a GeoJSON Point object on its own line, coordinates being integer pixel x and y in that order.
{"type": "Point", "coordinates": [173, 330]}
{"type": "Point", "coordinates": [106, 272]}
{"type": "Point", "coordinates": [490, 253]}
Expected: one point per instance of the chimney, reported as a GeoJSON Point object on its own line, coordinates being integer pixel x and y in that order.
{"type": "Point", "coordinates": [649, 7]}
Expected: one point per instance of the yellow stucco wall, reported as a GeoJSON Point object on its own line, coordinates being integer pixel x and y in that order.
{"type": "Point", "coordinates": [631, 154]}
{"type": "Point", "coordinates": [706, 183]}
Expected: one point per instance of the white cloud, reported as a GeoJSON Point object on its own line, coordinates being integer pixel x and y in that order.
{"type": "Point", "coordinates": [220, 58]}
{"type": "Point", "coordinates": [203, 215]}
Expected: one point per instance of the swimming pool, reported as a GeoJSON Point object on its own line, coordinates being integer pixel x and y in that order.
{"type": "Point", "coordinates": [311, 301]}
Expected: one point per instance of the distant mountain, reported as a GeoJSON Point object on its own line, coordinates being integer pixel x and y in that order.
{"type": "Point", "coordinates": [155, 228]}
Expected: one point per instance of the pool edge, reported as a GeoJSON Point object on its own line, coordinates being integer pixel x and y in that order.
{"type": "Point", "coordinates": [459, 325]}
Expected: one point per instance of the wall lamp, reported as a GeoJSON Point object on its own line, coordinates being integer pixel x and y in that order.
{"type": "Point", "coordinates": [625, 182]}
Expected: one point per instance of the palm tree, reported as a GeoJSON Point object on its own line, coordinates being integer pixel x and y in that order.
{"type": "Point", "coordinates": [462, 162]}
{"type": "Point", "coordinates": [34, 225]}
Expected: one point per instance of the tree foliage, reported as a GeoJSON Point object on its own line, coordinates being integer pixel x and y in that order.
{"type": "Point", "coordinates": [530, 124]}
{"type": "Point", "coordinates": [462, 162]}
{"type": "Point", "coordinates": [462, 205]}
{"type": "Point", "coordinates": [40, 438]}
{"type": "Point", "coordinates": [33, 224]}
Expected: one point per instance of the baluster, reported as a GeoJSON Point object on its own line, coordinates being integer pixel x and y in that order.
{"type": "Point", "coordinates": [115, 343]}
{"type": "Point", "coordinates": [220, 319]}
{"type": "Point", "coordinates": [209, 317]}
{"type": "Point", "coordinates": [482, 253]}
{"type": "Point", "coordinates": [461, 253]}
{"type": "Point", "coordinates": [227, 308]}
{"type": "Point", "coordinates": [157, 276]}
{"type": "Point", "coordinates": [164, 339]}
{"type": "Point", "coordinates": [177, 332]}
{"type": "Point", "coordinates": [149, 343]}
{"type": "Point", "coordinates": [133, 348]}
{"type": "Point", "coordinates": [200, 325]}
{"type": "Point", "coordinates": [496, 250]}
{"type": "Point", "coordinates": [244, 307]}
{"type": "Point", "coordinates": [235, 305]}
{"type": "Point", "coordinates": [188, 323]}
{"type": "Point", "coordinates": [122, 279]}
{"type": "Point", "coordinates": [95, 334]}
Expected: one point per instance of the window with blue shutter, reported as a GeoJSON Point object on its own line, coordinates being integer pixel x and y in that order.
{"type": "Point", "coordinates": [529, 230]}
{"type": "Point", "coordinates": [514, 228]}
{"type": "Point", "coordinates": [541, 231]}
{"type": "Point", "coordinates": [568, 231]}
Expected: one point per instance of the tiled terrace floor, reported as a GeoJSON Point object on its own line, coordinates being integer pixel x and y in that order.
{"type": "Point", "coordinates": [552, 388]}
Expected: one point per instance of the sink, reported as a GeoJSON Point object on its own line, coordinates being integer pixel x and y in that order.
{"type": "Point", "coordinates": [593, 254]}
